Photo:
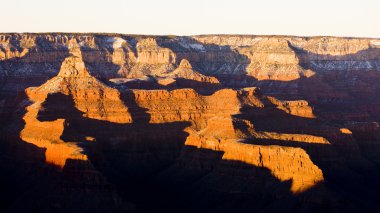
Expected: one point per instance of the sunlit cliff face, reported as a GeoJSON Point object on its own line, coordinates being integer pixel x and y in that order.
{"type": "Point", "coordinates": [210, 117]}
{"type": "Point", "coordinates": [264, 109]}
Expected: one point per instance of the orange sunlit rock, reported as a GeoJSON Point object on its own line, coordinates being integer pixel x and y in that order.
{"type": "Point", "coordinates": [285, 163]}
{"type": "Point", "coordinates": [299, 108]}
{"type": "Point", "coordinates": [345, 131]}
{"type": "Point", "coordinates": [212, 124]}
{"type": "Point", "coordinates": [93, 98]}
{"type": "Point", "coordinates": [47, 135]}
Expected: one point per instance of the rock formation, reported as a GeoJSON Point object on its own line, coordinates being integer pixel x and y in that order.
{"type": "Point", "coordinates": [225, 123]}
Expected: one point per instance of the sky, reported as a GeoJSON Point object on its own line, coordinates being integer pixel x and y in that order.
{"type": "Point", "coordinates": [353, 18]}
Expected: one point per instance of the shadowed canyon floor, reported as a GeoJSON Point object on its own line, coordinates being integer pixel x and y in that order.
{"type": "Point", "coordinates": [122, 123]}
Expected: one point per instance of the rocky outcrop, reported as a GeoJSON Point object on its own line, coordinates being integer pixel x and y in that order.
{"type": "Point", "coordinates": [280, 63]}
{"type": "Point", "coordinates": [209, 116]}
{"type": "Point", "coordinates": [91, 97]}
{"type": "Point", "coordinates": [149, 52]}
{"type": "Point", "coordinates": [185, 76]}
{"type": "Point", "coordinates": [152, 59]}
{"type": "Point", "coordinates": [300, 169]}
{"type": "Point", "coordinates": [299, 108]}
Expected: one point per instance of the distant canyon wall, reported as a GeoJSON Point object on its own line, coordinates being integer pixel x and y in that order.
{"type": "Point", "coordinates": [261, 57]}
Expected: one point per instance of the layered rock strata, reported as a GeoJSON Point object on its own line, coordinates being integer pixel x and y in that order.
{"type": "Point", "coordinates": [250, 120]}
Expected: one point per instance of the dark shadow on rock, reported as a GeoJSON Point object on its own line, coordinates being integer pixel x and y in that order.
{"type": "Point", "coordinates": [20, 74]}
{"type": "Point", "coordinates": [25, 174]}
{"type": "Point", "coordinates": [212, 60]}
{"type": "Point", "coordinates": [139, 115]}
{"type": "Point", "coordinates": [150, 166]}
{"type": "Point", "coordinates": [203, 88]}
{"type": "Point", "coordinates": [142, 144]}
{"type": "Point", "coordinates": [99, 61]}
{"type": "Point", "coordinates": [346, 170]}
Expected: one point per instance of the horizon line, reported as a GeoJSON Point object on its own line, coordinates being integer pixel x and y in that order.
{"type": "Point", "coordinates": [193, 35]}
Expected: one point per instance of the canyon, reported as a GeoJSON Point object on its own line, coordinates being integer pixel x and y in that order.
{"type": "Point", "coordinates": [208, 123]}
